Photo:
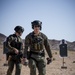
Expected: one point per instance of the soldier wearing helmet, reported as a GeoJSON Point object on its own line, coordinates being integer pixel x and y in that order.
{"type": "Point", "coordinates": [35, 45]}
{"type": "Point", "coordinates": [36, 23]}
{"type": "Point", "coordinates": [19, 30]}
{"type": "Point", "coordinates": [14, 45]}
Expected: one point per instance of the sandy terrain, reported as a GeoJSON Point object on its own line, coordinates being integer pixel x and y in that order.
{"type": "Point", "coordinates": [53, 69]}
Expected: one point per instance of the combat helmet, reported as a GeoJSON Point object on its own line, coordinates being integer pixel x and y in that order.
{"type": "Point", "coordinates": [19, 29]}
{"type": "Point", "coordinates": [36, 23]}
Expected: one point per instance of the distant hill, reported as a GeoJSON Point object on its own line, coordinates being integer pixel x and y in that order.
{"type": "Point", "coordinates": [2, 38]}
{"type": "Point", "coordinates": [54, 44]}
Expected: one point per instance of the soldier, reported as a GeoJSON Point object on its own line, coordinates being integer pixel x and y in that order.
{"type": "Point", "coordinates": [35, 45]}
{"type": "Point", "coordinates": [14, 45]}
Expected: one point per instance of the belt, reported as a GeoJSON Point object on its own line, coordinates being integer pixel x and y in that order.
{"type": "Point", "coordinates": [38, 53]}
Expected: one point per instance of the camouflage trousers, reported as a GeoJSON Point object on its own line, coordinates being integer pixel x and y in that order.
{"type": "Point", "coordinates": [39, 63]}
{"type": "Point", "coordinates": [11, 67]}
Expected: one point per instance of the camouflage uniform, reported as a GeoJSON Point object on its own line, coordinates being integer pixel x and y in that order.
{"type": "Point", "coordinates": [36, 56]}
{"type": "Point", "coordinates": [12, 42]}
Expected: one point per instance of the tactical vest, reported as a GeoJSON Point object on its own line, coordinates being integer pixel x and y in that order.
{"type": "Point", "coordinates": [37, 42]}
{"type": "Point", "coordinates": [16, 42]}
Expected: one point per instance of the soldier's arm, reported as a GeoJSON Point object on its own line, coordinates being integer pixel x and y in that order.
{"type": "Point", "coordinates": [8, 42]}
{"type": "Point", "coordinates": [47, 47]}
{"type": "Point", "coordinates": [26, 47]}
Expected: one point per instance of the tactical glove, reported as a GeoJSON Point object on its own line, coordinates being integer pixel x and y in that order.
{"type": "Point", "coordinates": [49, 60]}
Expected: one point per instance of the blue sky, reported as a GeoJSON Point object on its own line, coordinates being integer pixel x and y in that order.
{"type": "Point", "coordinates": [57, 16]}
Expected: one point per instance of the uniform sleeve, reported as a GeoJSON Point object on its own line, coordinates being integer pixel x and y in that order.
{"type": "Point", "coordinates": [47, 47]}
{"type": "Point", "coordinates": [8, 42]}
{"type": "Point", "coordinates": [26, 46]}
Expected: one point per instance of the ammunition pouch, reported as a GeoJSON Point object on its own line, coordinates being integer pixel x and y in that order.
{"type": "Point", "coordinates": [37, 43]}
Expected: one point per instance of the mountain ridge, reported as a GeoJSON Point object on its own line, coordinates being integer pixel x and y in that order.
{"type": "Point", "coordinates": [54, 44]}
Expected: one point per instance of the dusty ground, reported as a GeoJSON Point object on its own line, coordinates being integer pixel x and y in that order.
{"type": "Point", "coordinates": [53, 69]}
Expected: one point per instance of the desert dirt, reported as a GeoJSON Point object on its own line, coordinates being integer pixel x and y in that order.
{"type": "Point", "coordinates": [53, 68]}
